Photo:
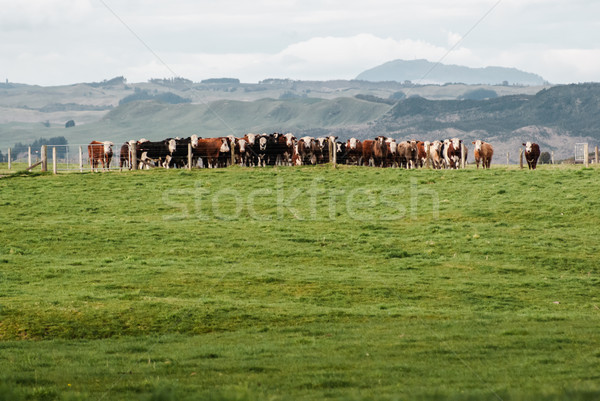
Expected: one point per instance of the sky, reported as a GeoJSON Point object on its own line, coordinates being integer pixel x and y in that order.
{"type": "Point", "coordinates": [57, 42]}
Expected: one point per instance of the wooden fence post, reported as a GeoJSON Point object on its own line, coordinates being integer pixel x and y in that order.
{"type": "Point", "coordinates": [586, 155]}
{"type": "Point", "coordinates": [190, 156]}
{"type": "Point", "coordinates": [54, 166]}
{"type": "Point", "coordinates": [596, 155]}
{"type": "Point", "coordinates": [552, 157]}
{"type": "Point", "coordinates": [334, 150]}
{"type": "Point", "coordinates": [133, 154]}
{"type": "Point", "coordinates": [232, 151]}
{"type": "Point", "coordinates": [44, 156]}
{"type": "Point", "coordinates": [462, 155]}
{"type": "Point", "coordinates": [9, 159]}
{"type": "Point", "coordinates": [80, 160]}
{"type": "Point", "coordinates": [521, 158]}
{"type": "Point", "coordinates": [507, 158]}
{"type": "Point", "coordinates": [29, 156]}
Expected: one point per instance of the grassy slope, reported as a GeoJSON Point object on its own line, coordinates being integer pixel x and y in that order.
{"type": "Point", "coordinates": [168, 283]}
{"type": "Point", "coordinates": [158, 121]}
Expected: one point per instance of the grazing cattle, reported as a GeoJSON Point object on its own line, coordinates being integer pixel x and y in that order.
{"type": "Point", "coordinates": [321, 147]}
{"type": "Point", "coordinates": [392, 153]}
{"type": "Point", "coordinates": [209, 150]}
{"type": "Point", "coordinates": [287, 143]}
{"type": "Point", "coordinates": [100, 152]}
{"type": "Point", "coordinates": [453, 153]}
{"type": "Point", "coordinates": [483, 152]}
{"type": "Point", "coordinates": [354, 151]}
{"type": "Point", "coordinates": [435, 154]}
{"type": "Point", "coordinates": [408, 154]}
{"type": "Point", "coordinates": [532, 154]}
{"type": "Point", "coordinates": [296, 158]}
{"type": "Point", "coordinates": [251, 142]}
{"type": "Point", "coordinates": [154, 153]}
{"type": "Point", "coordinates": [422, 150]}
{"type": "Point", "coordinates": [341, 154]}
{"type": "Point", "coordinates": [380, 151]}
{"type": "Point", "coordinates": [367, 152]}
{"type": "Point", "coordinates": [240, 151]}
{"type": "Point", "coordinates": [125, 157]}
{"type": "Point", "coordinates": [178, 152]}
{"type": "Point", "coordinates": [306, 150]}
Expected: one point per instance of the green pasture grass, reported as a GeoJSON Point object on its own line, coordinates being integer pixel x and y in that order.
{"type": "Point", "coordinates": [300, 283]}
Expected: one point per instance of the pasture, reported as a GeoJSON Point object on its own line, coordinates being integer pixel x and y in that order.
{"type": "Point", "coordinates": [304, 283]}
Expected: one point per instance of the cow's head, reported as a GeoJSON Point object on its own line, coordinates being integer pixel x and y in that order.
{"type": "Point", "coordinates": [321, 142]}
{"type": "Point", "coordinates": [262, 143]}
{"type": "Point", "coordinates": [340, 147]}
{"type": "Point", "coordinates": [251, 138]}
{"type": "Point", "coordinates": [172, 145]}
{"type": "Point", "coordinates": [455, 143]}
{"type": "Point", "coordinates": [242, 145]}
{"type": "Point", "coordinates": [380, 139]}
{"type": "Point", "coordinates": [194, 140]}
{"type": "Point", "coordinates": [352, 143]}
{"type": "Point", "coordinates": [107, 146]}
{"type": "Point", "coordinates": [308, 141]}
{"type": "Point", "coordinates": [527, 147]}
{"type": "Point", "coordinates": [477, 144]}
{"type": "Point", "coordinates": [393, 146]}
{"type": "Point", "coordinates": [224, 145]}
{"type": "Point", "coordinates": [289, 139]}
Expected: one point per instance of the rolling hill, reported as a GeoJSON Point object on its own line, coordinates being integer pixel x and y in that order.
{"type": "Point", "coordinates": [555, 117]}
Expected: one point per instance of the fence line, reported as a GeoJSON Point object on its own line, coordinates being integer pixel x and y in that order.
{"type": "Point", "coordinates": [72, 157]}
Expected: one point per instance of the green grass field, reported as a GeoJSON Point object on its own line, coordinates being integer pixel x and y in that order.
{"type": "Point", "coordinates": [301, 283]}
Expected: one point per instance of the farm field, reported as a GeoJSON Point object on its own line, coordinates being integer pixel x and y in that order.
{"type": "Point", "coordinates": [303, 283]}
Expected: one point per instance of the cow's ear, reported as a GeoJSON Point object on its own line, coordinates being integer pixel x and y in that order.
{"type": "Point", "coordinates": [524, 145]}
{"type": "Point", "coordinates": [473, 142]}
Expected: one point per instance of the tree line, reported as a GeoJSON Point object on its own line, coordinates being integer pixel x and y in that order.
{"type": "Point", "coordinates": [20, 148]}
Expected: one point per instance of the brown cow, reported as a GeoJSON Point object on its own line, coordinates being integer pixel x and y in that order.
{"type": "Point", "coordinates": [408, 153]}
{"type": "Point", "coordinates": [380, 151]}
{"type": "Point", "coordinates": [422, 148]}
{"type": "Point", "coordinates": [483, 152]}
{"type": "Point", "coordinates": [367, 152]}
{"type": "Point", "coordinates": [100, 152]}
{"type": "Point", "coordinates": [532, 154]}
{"type": "Point", "coordinates": [209, 150]}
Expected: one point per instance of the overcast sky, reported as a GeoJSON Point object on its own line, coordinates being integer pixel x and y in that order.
{"type": "Point", "coordinates": [53, 42]}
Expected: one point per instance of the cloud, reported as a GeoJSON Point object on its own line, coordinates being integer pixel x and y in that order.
{"type": "Point", "coordinates": [318, 58]}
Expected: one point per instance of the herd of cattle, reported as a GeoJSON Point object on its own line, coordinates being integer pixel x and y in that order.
{"type": "Point", "coordinates": [285, 149]}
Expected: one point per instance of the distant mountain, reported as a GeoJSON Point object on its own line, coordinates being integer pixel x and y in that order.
{"type": "Point", "coordinates": [423, 71]}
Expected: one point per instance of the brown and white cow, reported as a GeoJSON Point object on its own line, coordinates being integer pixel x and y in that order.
{"type": "Point", "coordinates": [483, 152]}
{"type": "Point", "coordinates": [392, 155]}
{"type": "Point", "coordinates": [287, 142]}
{"type": "Point", "coordinates": [422, 149]}
{"type": "Point", "coordinates": [354, 151]}
{"type": "Point", "coordinates": [209, 150]}
{"type": "Point", "coordinates": [306, 150]}
{"type": "Point", "coordinates": [100, 152]}
{"type": "Point", "coordinates": [454, 153]}
{"type": "Point", "coordinates": [532, 154]}
{"type": "Point", "coordinates": [435, 154]}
